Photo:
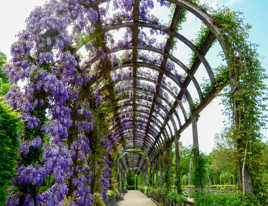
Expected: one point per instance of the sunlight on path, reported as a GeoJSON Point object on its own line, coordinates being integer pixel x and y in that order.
{"type": "Point", "coordinates": [136, 198]}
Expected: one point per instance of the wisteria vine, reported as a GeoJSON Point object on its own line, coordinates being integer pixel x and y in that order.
{"type": "Point", "coordinates": [67, 152]}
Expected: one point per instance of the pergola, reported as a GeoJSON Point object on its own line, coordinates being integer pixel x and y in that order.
{"type": "Point", "coordinates": [152, 112]}
{"type": "Point", "coordinates": [109, 90]}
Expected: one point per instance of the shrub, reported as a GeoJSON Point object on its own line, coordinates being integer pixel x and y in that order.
{"type": "Point", "coordinates": [9, 125]}
{"type": "Point", "coordinates": [225, 199]}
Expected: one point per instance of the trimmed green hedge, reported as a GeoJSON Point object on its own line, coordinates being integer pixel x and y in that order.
{"type": "Point", "coordinates": [9, 132]}
{"type": "Point", "coordinates": [9, 125]}
{"type": "Point", "coordinates": [226, 199]}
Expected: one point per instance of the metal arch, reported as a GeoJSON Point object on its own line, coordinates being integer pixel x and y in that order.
{"type": "Point", "coordinates": [141, 134]}
{"type": "Point", "coordinates": [134, 159]}
{"type": "Point", "coordinates": [181, 106]}
{"type": "Point", "coordinates": [126, 131]}
{"type": "Point", "coordinates": [130, 89]}
{"type": "Point", "coordinates": [158, 124]}
{"type": "Point", "coordinates": [159, 51]}
{"type": "Point", "coordinates": [127, 89]}
{"type": "Point", "coordinates": [203, 16]}
{"type": "Point", "coordinates": [127, 113]}
{"type": "Point", "coordinates": [170, 75]}
{"type": "Point", "coordinates": [167, 73]}
{"type": "Point", "coordinates": [166, 134]}
{"type": "Point", "coordinates": [138, 142]}
{"type": "Point", "coordinates": [172, 119]}
{"type": "Point", "coordinates": [145, 79]}
{"type": "Point", "coordinates": [163, 108]}
{"type": "Point", "coordinates": [145, 64]}
{"type": "Point", "coordinates": [141, 131]}
{"type": "Point", "coordinates": [168, 125]}
{"type": "Point", "coordinates": [183, 39]}
{"type": "Point", "coordinates": [151, 66]}
{"type": "Point", "coordinates": [127, 121]}
{"type": "Point", "coordinates": [175, 112]}
{"type": "Point", "coordinates": [200, 14]}
{"type": "Point", "coordinates": [142, 105]}
{"type": "Point", "coordinates": [168, 90]}
{"type": "Point", "coordinates": [208, 42]}
{"type": "Point", "coordinates": [162, 98]}
{"type": "Point", "coordinates": [140, 139]}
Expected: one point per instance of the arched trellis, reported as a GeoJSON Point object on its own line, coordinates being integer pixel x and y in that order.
{"type": "Point", "coordinates": [200, 54]}
{"type": "Point", "coordinates": [147, 111]}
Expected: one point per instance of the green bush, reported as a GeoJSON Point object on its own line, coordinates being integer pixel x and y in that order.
{"type": "Point", "coordinates": [10, 128]}
{"type": "Point", "coordinates": [225, 199]}
{"type": "Point", "coordinates": [173, 196]}
{"type": "Point", "coordinates": [4, 84]}
{"type": "Point", "coordinates": [9, 125]}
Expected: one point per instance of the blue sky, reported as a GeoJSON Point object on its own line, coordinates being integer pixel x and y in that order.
{"type": "Point", "coordinates": [256, 14]}
{"type": "Point", "coordinates": [211, 119]}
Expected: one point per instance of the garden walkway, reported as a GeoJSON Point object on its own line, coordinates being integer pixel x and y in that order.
{"type": "Point", "coordinates": [136, 198]}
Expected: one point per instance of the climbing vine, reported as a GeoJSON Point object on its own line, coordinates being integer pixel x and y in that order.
{"type": "Point", "coordinates": [245, 98]}
{"type": "Point", "coordinates": [70, 99]}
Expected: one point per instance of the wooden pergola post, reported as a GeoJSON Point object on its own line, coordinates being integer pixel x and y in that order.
{"type": "Point", "coordinates": [144, 178]}
{"type": "Point", "coordinates": [167, 165]}
{"type": "Point", "coordinates": [244, 178]}
{"type": "Point", "coordinates": [120, 182]}
{"type": "Point", "coordinates": [161, 171]}
{"type": "Point", "coordinates": [156, 175]}
{"type": "Point", "coordinates": [153, 176]}
{"type": "Point", "coordinates": [196, 147]}
{"type": "Point", "coordinates": [178, 176]}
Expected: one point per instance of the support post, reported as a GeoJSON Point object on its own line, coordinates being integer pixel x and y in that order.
{"type": "Point", "coordinates": [196, 149]}
{"type": "Point", "coordinates": [154, 172]}
{"type": "Point", "coordinates": [143, 178]}
{"type": "Point", "coordinates": [178, 173]}
{"type": "Point", "coordinates": [190, 171]}
{"type": "Point", "coordinates": [167, 166]}
{"type": "Point", "coordinates": [156, 175]}
{"type": "Point", "coordinates": [146, 176]}
{"type": "Point", "coordinates": [153, 175]}
{"type": "Point", "coordinates": [161, 171]}
{"type": "Point", "coordinates": [120, 182]}
{"type": "Point", "coordinates": [245, 183]}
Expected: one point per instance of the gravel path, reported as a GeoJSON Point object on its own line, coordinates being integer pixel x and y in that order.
{"type": "Point", "coordinates": [136, 198]}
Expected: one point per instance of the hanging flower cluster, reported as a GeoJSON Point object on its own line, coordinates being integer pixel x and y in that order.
{"type": "Point", "coordinates": [67, 152]}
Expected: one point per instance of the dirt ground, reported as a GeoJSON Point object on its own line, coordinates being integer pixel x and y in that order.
{"type": "Point", "coordinates": [136, 198]}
